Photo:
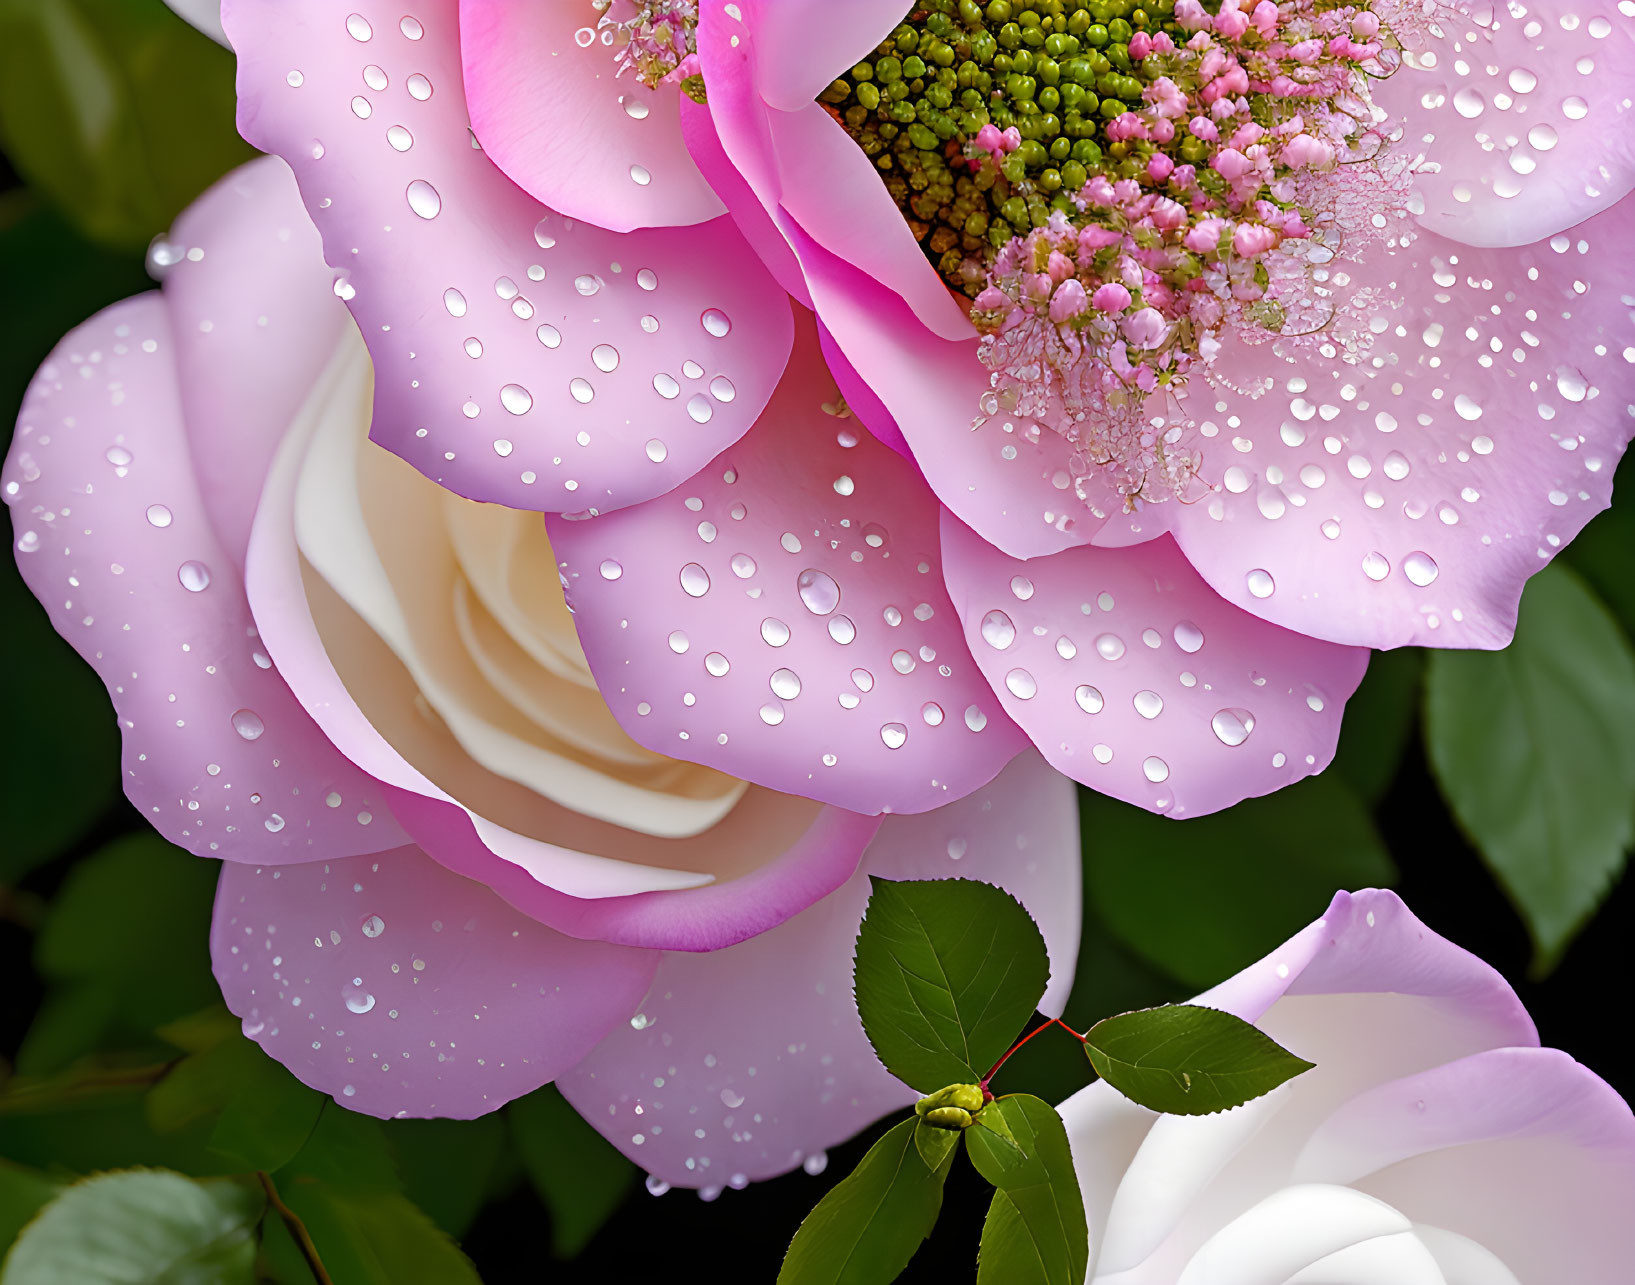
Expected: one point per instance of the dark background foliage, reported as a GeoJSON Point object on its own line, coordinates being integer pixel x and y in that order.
{"type": "Point", "coordinates": [115, 1052]}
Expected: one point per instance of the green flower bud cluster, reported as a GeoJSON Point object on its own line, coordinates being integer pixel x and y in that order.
{"type": "Point", "coordinates": [953, 1107]}
{"type": "Point", "coordinates": [1054, 70]}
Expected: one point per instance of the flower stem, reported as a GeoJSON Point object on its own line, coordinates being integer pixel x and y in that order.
{"type": "Point", "coordinates": [297, 1230]}
{"type": "Point", "coordinates": [1049, 1022]}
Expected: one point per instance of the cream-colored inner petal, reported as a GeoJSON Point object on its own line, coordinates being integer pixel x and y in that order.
{"type": "Point", "coordinates": [465, 599]}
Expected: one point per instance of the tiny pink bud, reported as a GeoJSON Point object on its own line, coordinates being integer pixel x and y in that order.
{"type": "Point", "coordinates": [1068, 302]}
{"type": "Point", "coordinates": [993, 299]}
{"type": "Point", "coordinates": [1253, 239]}
{"type": "Point", "coordinates": [1111, 297]}
{"type": "Point", "coordinates": [1145, 328]}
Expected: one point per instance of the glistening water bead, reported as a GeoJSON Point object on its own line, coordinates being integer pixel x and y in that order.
{"type": "Point", "coordinates": [1055, 71]}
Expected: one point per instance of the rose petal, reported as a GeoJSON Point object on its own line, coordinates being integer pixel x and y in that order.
{"type": "Point", "coordinates": [400, 989]}
{"type": "Point", "coordinates": [860, 398]}
{"type": "Point", "coordinates": [1409, 503]}
{"type": "Point", "coordinates": [507, 837]}
{"type": "Point", "coordinates": [797, 632]}
{"type": "Point", "coordinates": [804, 45]}
{"type": "Point", "coordinates": [1522, 119]}
{"type": "Point", "coordinates": [203, 14]}
{"type": "Point", "coordinates": [1133, 677]}
{"type": "Point", "coordinates": [113, 537]}
{"type": "Point", "coordinates": [550, 111]}
{"type": "Point", "coordinates": [1007, 479]}
{"type": "Point", "coordinates": [808, 174]}
{"type": "Point", "coordinates": [256, 320]}
{"type": "Point", "coordinates": [521, 358]}
{"type": "Point", "coordinates": [748, 1061]}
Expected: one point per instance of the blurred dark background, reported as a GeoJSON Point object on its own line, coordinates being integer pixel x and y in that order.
{"type": "Point", "coordinates": [103, 929]}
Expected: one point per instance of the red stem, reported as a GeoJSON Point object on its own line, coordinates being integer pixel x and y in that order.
{"type": "Point", "coordinates": [1049, 1022]}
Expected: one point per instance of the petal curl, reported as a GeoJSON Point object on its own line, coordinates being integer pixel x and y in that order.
{"type": "Point", "coordinates": [1408, 497]}
{"type": "Point", "coordinates": [113, 537]}
{"type": "Point", "coordinates": [804, 45]}
{"type": "Point", "coordinates": [541, 856]}
{"type": "Point", "coordinates": [1131, 675]}
{"type": "Point", "coordinates": [781, 617]}
{"type": "Point", "coordinates": [521, 358]}
{"type": "Point", "coordinates": [401, 989]}
{"type": "Point", "coordinates": [1522, 118]}
{"type": "Point", "coordinates": [806, 174]}
{"type": "Point", "coordinates": [548, 108]}
{"type": "Point", "coordinates": [762, 1060]}
{"type": "Point", "coordinates": [256, 320]}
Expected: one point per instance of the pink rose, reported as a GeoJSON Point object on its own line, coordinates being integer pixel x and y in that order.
{"type": "Point", "coordinates": [448, 876]}
{"type": "Point", "coordinates": [1435, 1142]}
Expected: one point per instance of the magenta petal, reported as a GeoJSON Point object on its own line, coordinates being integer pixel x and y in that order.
{"type": "Point", "coordinates": [1523, 120]}
{"type": "Point", "coordinates": [782, 617]}
{"type": "Point", "coordinates": [804, 45]}
{"type": "Point", "coordinates": [748, 1061]}
{"type": "Point", "coordinates": [808, 175]}
{"type": "Point", "coordinates": [1409, 503]}
{"type": "Point", "coordinates": [548, 108]}
{"type": "Point", "coordinates": [256, 320]}
{"type": "Point", "coordinates": [400, 989]}
{"type": "Point", "coordinates": [520, 358]}
{"type": "Point", "coordinates": [1131, 675]}
{"type": "Point", "coordinates": [113, 537]}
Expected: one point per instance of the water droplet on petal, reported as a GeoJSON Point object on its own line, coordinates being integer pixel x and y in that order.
{"type": "Point", "coordinates": [1232, 726]}
{"type": "Point", "coordinates": [247, 723]}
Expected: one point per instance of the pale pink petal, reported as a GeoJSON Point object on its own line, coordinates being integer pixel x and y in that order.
{"type": "Point", "coordinates": [520, 357]}
{"type": "Point", "coordinates": [1523, 118]}
{"type": "Point", "coordinates": [861, 400]}
{"type": "Point", "coordinates": [1131, 675]}
{"type": "Point", "coordinates": [769, 856]}
{"type": "Point", "coordinates": [782, 617]}
{"type": "Point", "coordinates": [1007, 479]}
{"type": "Point", "coordinates": [746, 1062]}
{"type": "Point", "coordinates": [808, 175]}
{"type": "Point", "coordinates": [1407, 500]}
{"type": "Point", "coordinates": [1555, 1146]}
{"type": "Point", "coordinates": [548, 108]}
{"type": "Point", "coordinates": [114, 539]}
{"type": "Point", "coordinates": [400, 989]}
{"type": "Point", "coordinates": [256, 319]}
{"type": "Point", "coordinates": [804, 45]}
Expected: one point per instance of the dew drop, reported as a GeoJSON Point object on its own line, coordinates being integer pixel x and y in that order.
{"type": "Point", "coordinates": [1232, 726]}
{"type": "Point", "coordinates": [247, 723]}
{"type": "Point", "coordinates": [606, 357]}
{"type": "Point", "coordinates": [774, 632]}
{"type": "Point", "coordinates": [516, 399]}
{"type": "Point", "coordinates": [818, 591]}
{"type": "Point", "coordinates": [1089, 699]}
{"type": "Point", "coordinates": [1155, 769]}
{"type": "Point", "coordinates": [611, 569]}
{"type": "Point", "coordinates": [998, 631]}
{"type": "Point", "coordinates": [159, 515]}
{"type": "Point", "coordinates": [1260, 583]}
{"type": "Point", "coordinates": [1110, 647]}
{"type": "Point", "coordinates": [1188, 637]}
{"type": "Point", "coordinates": [1022, 684]}
{"type": "Point", "coordinates": [894, 735]}
{"type": "Point", "coordinates": [423, 199]}
{"type": "Point", "coordinates": [195, 576]}
{"type": "Point", "coordinates": [716, 323]}
{"type": "Point", "coordinates": [373, 926]}
{"type": "Point", "coordinates": [1420, 568]}
{"type": "Point", "coordinates": [695, 581]}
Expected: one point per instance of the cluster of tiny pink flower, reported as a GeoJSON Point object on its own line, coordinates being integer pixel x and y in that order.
{"type": "Point", "coordinates": [1254, 159]}
{"type": "Point", "coordinates": [656, 42]}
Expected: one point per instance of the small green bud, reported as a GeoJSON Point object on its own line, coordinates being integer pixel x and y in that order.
{"type": "Point", "coordinates": [948, 1118]}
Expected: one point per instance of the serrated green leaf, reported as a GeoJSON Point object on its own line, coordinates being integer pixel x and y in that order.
{"type": "Point", "coordinates": [1534, 749]}
{"type": "Point", "coordinates": [347, 1151]}
{"type": "Point", "coordinates": [1186, 1059]}
{"type": "Point", "coordinates": [140, 1227]}
{"type": "Point", "coordinates": [579, 1175]}
{"type": "Point", "coordinates": [1036, 1229]}
{"type": "Point", "coordinates": [865, 1231]}
{"type": "Point", "coordinates": [119, 111]}
{"type": "Point", "coordinates": [947, 973]}
{"type": "Point", "coordinates": [1205, 897]}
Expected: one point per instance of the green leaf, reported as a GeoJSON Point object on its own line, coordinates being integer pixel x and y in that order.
{"type": "Point", "coordinates": [1036, 1229]}
{"type": "Point", "coordinates": [934, 1144]}
{"type": "Point", "coordinates": [948, 971]}
{"type": "Point", "coordinates": [23, 1193]}
{"type": "Point", "coordinates": [1379, 720]}
{"type": "Point", "coordinates": [1205, 897]}
{"type": "Point", "coordinates": [140, 1227]}
{"type": "Point", "coordinates": [578, 1174]}
{"type": "Point", "coordinates": [867, 1228]}
{"type": "Point", "coordinates": [1534, 749]}
{"type": "Point", "coordinates": [127, 942]}
{"type": "Point", "coordinates": [346, 1151]}
{"type": "Point", "coordinates": [451, 1167]}
{"type": "Point", "coordinates": [1600, 552]}
{"type": "Point", "coordinates": [1185, 1059]}
{"type": "Point", "coordinates": [118, 111]}
{"type": "Point", "coordinates": [375, 1238]}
